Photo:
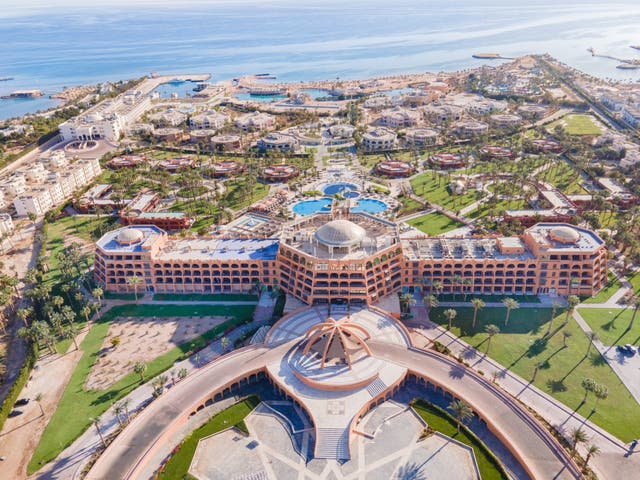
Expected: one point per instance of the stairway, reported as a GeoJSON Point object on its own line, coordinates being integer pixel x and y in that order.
{"type": "Point", "coordinates": [376, 387]}
{"type": "Point", "coordinates": [332, 443]}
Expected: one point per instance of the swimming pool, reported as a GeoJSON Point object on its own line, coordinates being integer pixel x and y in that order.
{"type": "Point", "coordinates": [323, 205]}
{"type": "Point", "coordinates": [340, 187]}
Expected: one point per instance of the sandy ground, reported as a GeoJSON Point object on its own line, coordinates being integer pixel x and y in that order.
{"type": "Point", "coordinates": [21, 434]}
{"type": "Point", "coordinates": [142, 339]}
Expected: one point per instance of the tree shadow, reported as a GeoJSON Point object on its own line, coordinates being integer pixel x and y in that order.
{"type": "Point", "coordinates": [411, 471]}
{"type": "Point", "coordinates": [545, 365]}
{"type": "Point", "coordinates": [557, 385]}
{"type": "Point", "coordinates": [457, 371]}
{"type": "Point", "coordinates": [538, 346]}
{"type": "Point", "coordinates": [597, 360]}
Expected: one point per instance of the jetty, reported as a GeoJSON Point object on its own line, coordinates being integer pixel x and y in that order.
{"type": "Point", "coordinates": [625, 63]}
{"type": "Point", "coordinates": [6, 79]}
{"type": "Point", "coordinates": [490, 56]}
{"type": "Point", "coordinates": [25, 94]}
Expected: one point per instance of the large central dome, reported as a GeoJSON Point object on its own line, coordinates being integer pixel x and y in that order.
{"type": "Point", "coordinates": [340, 233]}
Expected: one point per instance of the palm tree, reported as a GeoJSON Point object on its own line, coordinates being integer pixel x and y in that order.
{"type": "Point", "coordinates": [430, 301]}
{"type": "Point", "coordinates": [636, 305]}
{"type": "Point", "coordinates": [182, 373]}
{"type": "Point", "coordinates": [134, 281]}
{"type": "Point", "coordinates": [69, 332]}
{"type": "Point", "coordinates": [589, 385]}
{"type": "Point", "coordinates": [437, 286]}
{"type": "Point", "coordinates": [461, 411]}
{"type": "Point", "coordinates": [565, 336]}
{"type": "Point", "coordinates": [491, 330]}
{"type": "Point", "coordinates": [509, 304]}
{"type": "Point", "coordinates": [406, 302]}
{"type": "Point", "coordinates": [572, 303]}
{"type": "Point", "coordinates": [592, 337]}
{"type": "Point", "coordinates": [591, 451]}
{"type": "Point", "coordinates": [96, 423]}
{"type": "Point", "coordinates": [118, 408]}
{"type": "Point", "coordinates": [577, 436]}
{"type": "Point", "coordinates": [451, 314]}
{"type": "Point", "coordinates": [478, 304]}
{"type": "Point", "coordinates": [554, 309]}
{"type": "Point", "coordinates": [140, 368]}
{"type": "Point", "coordinates": [38, 399]}
{"type": "Point", "coordinates": [601, 392]}
{"type": "Point", "coordinates": [125, 405]}
{"type": "Point", "coordinates": [224, 343]}
{"type": "Point", "coordinates": [98, 293]}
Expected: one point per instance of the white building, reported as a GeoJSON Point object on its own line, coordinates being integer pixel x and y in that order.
{"type": "Point", "coordinates": [485, 107]}
{"type": "Point", "coordinates": [443, 113]}
{"type": "Point", "coordinates": [400, 117]}
{"type": "Point", "coordinates": [255, 121]}
{"type": "Point", "coordinates": [379, 139]}
{"type": "Point", "coordinates": [14, 185]}
{"type": "Point", "coordinates": [6, 224]}
{"type": "Point", "coordinates": [471, 128]}
{"type": "Point", "coordinates": [421, 137]}
{"type": "Point", "coordinates": [278, 141]}
{"type": "Point", "coordinates": [170, 117]}
{"type": "Point", "coordinates": [631, 115]}
{"type": "Point", "coordinates": [209, 119]}
{"type": "Point", "coordinates": [56, 160]}
{"type": "Point", "coordinates": [505, 120]}
{"type": "Point", "coordinates": [37, 201]}
{"type": "Point", "coordinates": [34, 173]}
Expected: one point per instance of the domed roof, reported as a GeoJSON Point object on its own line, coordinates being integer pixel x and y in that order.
{"type": "Point", "coordinates": [564, 234]}
{"type": "Point", "coordinates": [340, 233]}
{"type": "Point", "coordinates": [128, 236]}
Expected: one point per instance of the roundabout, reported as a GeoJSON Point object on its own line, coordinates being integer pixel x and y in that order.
{"type": "Point", "coordinates": [338, 367]}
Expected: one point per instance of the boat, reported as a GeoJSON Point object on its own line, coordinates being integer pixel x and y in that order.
{"type": "Point", "coordinates": [262, 74]}
{"type": "Point", "coordinates": [485, 56]}
{"type": "Point", "coordinates": [628, 66]}
{"type": "Point", "coordinates": [6, 79]}
{"type": "Point", "coordinates": [200, 86]}
{"type": "Point", "coordinates": [266, 91]}
{"type": "Point", "coordinates": [175, 81]}
{"type": "Point", "coordinates": [636, 47]}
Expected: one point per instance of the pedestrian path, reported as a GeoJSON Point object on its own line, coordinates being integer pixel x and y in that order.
{"type": "Point", "coordinates": [613, 459]}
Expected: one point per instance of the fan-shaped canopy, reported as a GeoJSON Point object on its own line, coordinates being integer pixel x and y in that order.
{"type": "Point", "coordinates": [337, 340]}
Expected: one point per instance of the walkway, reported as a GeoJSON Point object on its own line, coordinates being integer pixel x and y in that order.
{"type": "Point", "coordinates": [610, 464]}
{"type": "Point", "coordinates": [71, 461]}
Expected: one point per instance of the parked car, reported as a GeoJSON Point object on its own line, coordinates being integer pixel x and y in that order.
{"type": "Point", "coordinates": [626, 349]}
{"type": "Point", "coordinates": [21, 402]}
{"type": "Point", "coordinates": [15, 413]}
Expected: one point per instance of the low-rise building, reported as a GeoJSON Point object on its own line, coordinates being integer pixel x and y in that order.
{"type": "Point", "coordinates": [443, 113]}
{"type": "Point", "coordinates": [631, 115]}
{"type": "Point", "coordinates": [379, 139]}
{"type": "Point", "coordinates": [400, 117]}
{"type": "Point", "coordinates": [255, 121]}
{"type": "Point", "coordinates": [6, 224]}
{"type": "Point", "coordinates": [37, 201]}
{"type": "Point", "coordinates": [421, 137]}
{"type": "Point", "coordinates": [532, 111]}
{"type": "Point", "coordinates": [471, 128]}
{"type": "Point", "coordinates": [278, 141]}
{"type": "Point", "coordinates": [210, 119]}
{"type": "Point", "coordinates": [226, 143]}
{"type": "Point", "coordinates": [505, 120]}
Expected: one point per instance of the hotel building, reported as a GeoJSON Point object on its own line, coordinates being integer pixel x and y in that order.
{"type": "Point", "coordinates": [355, 257]}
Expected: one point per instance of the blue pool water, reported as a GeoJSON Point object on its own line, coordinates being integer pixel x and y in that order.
{"type": "Point", "coordinates": [309, 207]}
{"type": "Point", "coordinates": [182, 89]}
{"type": "Point", "coordinates": [334, 188]}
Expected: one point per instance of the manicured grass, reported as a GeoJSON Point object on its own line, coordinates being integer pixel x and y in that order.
{"type": "Point", "coordinates": [577, 124]}
{"type": "Point", "coordinates": [235, 197]}
{"type": "Point", "coordinates": [611, 324]}
{"type": "Point", "coordinates": [205, 297]}
{"type": "Point", "coordinates": [522, 345]}
{"type": "Point", "coordinates": [564, 176]}
{"type": "Point", "coordinates": [634, 280]}
{"type": "Point", "coordinates": [78, 405]}
{"type": "Point", "coordinates": [434, 223]}
{"type": "Point", "coordinates": [441, 421]}
{"type": "Point", "coordinates": [437, 191]}
{"type": "Point", "coordinates": [612, 286]}
{"type": "Point", "coordinates": [178, 465]}
{"type": "Point", "coordinates": [192, 192]}
{"type": "Point", "coordinates": [458, 297]}
{"type": "Point", "coordinates": [409, 205]}
{"type": "Point", "coordinates": [121, 296]}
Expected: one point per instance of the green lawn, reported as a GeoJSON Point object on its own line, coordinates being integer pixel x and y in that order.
{"type": "Point", "coordinates": [611, 324]}
{"type": "Point", "coordinates": [521, 346]}
{"type": "Point", "coordinates": [487, 298]}
{"type": "Point", "coordinates": [634, 280]}
{"type": "Point", "coordinates": [564, 176]}
{"type": "Point", "coordinates": [434, 223]}
{"type": "Point", "coordinates": [612, 286]}
{"type": "Point", "coordinates": [441, 421]}
{"type": "Point", "coordinates": [437, 191]}
{"type": "Point", "coordinates": [205, 297]}
{"type": "Point", "coordinates": [577, 124]}
{"type": "Point", "coordinates": [237, 200]}
{"type": "Point", "coordinates": [78, 405]}
{"type": "Point", "coordinates": [178, 465]}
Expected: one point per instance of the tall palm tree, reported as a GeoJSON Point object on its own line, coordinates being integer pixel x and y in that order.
{"type": "Point", "coordinates": [565, 336]}
{"type": "Point", "coordinates": [437, 286]}
{"type": "Point", "coordinates": [478, 304]}
{"type": "Point", "coordinates": [450, 314]}
{"type": "Point", "coordinates": [491, 330]}
{"type": "Point", "coordinates": [430, 301]}
{"type": "Point", "coordinates": [406, 302]}
{"type": "Point", "coordinates": [140, 368]}
{"type": "Point", "coordinates": [591, 451]}
{"type": "Point", "coordinates": [636, 305]}
{"type": "Point", "coordinates": [509, 304]}
{"type": "Point", "coordinates": [592, 337]}
{"type": "Point", "coordinates": [98, 293]}
{"type": "Point", "coordinates": [134, 281]}
{"type": "Point", "coordinates": [577, 436]}
{"type": "Point", "coordinates": [96, 423]}
{"type": "Point", "coordinates": [572, 303]}
{"type": "Point", "coordinates": [38, 399]}
{"type": "Point", "coordinates": [589, 385]}
{"type": "Point", "coordinates": [461, 411]}
{"type": "Point", "coordinates": [118, 409]}
{"type": "Point", "coordinates": [601, 392]}
{"type": "Point", "coordinates": [554, 309]}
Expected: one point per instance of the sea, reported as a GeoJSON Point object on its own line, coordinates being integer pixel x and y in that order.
{"type": "Point", "coordinates": [59, 43]}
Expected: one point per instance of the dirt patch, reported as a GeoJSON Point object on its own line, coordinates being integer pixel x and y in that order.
{"type": "Point", "coordinates": [141, 340]}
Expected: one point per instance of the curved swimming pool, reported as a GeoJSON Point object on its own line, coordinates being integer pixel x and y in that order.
{"type": "Point", "coordinates": [343, 188]}
{"type": "Point", "coordinates": [323, 205]}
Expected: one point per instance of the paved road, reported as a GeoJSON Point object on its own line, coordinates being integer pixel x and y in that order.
{"type": "Point", "coordinates": [128, 454]}
{"type": "Point", "coordinates": [612, 463]}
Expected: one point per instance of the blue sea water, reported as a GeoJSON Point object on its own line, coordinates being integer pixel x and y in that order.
{"type": "Point", "coordinates": [49, 47]}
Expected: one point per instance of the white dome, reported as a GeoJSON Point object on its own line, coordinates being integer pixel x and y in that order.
{"type": "Point", "coordinates": [564, 234]}
{"type": "Point", "coordinates": [340, 233]}
{"type": "Point", "coordinates": [129, 236]}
